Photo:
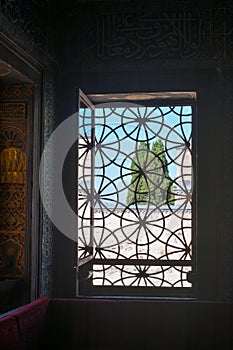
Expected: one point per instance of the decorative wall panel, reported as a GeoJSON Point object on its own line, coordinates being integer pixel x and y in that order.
{"type": "Point", "coordinates": [12, 110]}
{"type": "Point", "coordinates": [13, 92]}
{"type": "Point", "coordinates": [47, 238]}
{"type": "Point", "coordinates": [30, 23]}
{"type": "Point", "coordinates": [147, 36]}
{"type": "Point", "coordinates": [150, 34]}
{"type": "Point", "coordinates": [13, 172]}
{"type": "Point", "coordinates": [30, 15]}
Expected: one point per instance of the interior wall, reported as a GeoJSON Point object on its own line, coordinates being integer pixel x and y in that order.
{"type": "Point", "coordinates": [154, 47]}
{"type": "Point", "coordinates": [130, 46]}
{"type": "Point", "coordinates": [26, 30]}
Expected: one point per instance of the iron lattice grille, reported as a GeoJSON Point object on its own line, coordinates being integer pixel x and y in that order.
{"type": "Point", "coordinates": [135, 195]}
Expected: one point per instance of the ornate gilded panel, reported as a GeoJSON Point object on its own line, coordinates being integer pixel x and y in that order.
{"type": "Point", "coordinates": [12, 136]}
{"type": "Point", "coordinates": [15, 91]}
{"type": "Point", "coordinates": [13, 129]}
{"type": "Point", "coordinates": [12, 255]}
{"type": "Point", "coordinates": [12, 110]}
{"type": "Point", "coordinates": [12, 207]}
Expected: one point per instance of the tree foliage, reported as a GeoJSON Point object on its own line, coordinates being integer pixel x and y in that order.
{"type": "Point", "coordinates": [150, 179]}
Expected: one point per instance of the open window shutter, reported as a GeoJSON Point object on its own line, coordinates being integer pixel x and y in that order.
{"type": "Point", "coordinates": [85, 178]}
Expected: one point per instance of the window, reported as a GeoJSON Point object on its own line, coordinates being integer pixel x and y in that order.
{"type": "Point", "coordinates": [136, 204]}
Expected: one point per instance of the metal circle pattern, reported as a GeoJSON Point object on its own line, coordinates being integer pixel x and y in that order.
{"type": "Point", "coordinates": [121, 176]}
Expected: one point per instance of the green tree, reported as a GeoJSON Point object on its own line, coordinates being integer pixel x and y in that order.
{"type": "Point", "coordinates": [138, 190]}
{"type": "Point", "coordinates": [161, 190]}
{"type": "Point", "coordinates": [150, 176]}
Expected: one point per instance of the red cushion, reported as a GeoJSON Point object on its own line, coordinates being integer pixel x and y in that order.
{"type": "Point", "coordinates": [31, 319]}
{"type": "Point", "coordinates": [9, 334]}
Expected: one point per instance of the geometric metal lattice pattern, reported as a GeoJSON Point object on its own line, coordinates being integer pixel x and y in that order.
{"type": "Point", "coordinates": [135, 195]}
